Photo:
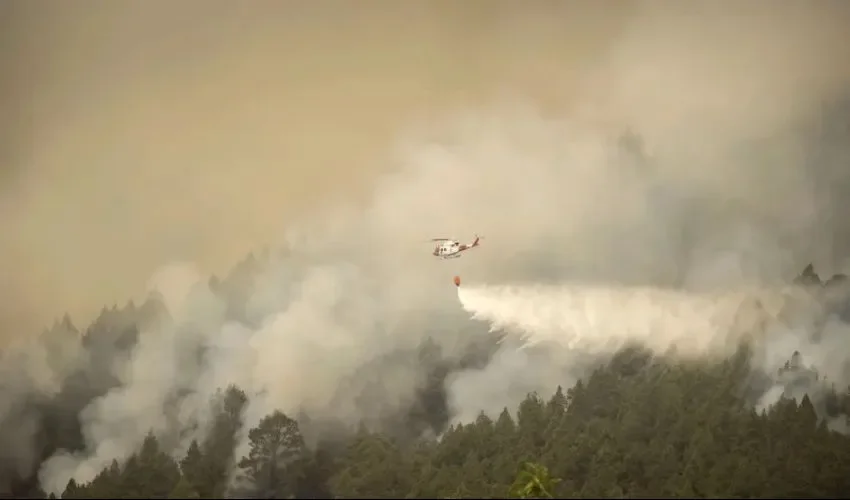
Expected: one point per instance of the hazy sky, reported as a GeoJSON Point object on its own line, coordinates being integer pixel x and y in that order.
{"type": "Point", "coordinates": [143, 132]}
{"type": "Point", "coordinates": [135, 133]}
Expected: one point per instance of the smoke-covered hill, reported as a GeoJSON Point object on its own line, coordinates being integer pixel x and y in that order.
{"type": "Point", "coordinates": [111, 385]}
{"type": "Point", "coordinates": [696, 161]}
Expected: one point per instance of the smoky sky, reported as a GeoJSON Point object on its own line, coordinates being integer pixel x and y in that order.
{"type": "Point", "coordinates": [693, 145]}
{"type": "Point", "coordinates": [137, 133]}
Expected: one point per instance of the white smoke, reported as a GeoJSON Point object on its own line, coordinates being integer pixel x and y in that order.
{"type": "Point", "coordinates": [573, 323]}
{"type": "Point", "coordinates": [555, 198]}
{"type": "Point", "coordinates": [161, 364]}
{"type": "Point", "coordinates": [313, 330]}
{"type": "Point", "coordinates": [362, 285]}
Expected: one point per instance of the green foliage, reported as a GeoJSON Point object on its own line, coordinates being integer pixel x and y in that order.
{"type": "Point", "coordinates": [533, 481]}
{"type": "Point", "coordinates": [637, 427]}
{"type": "Point", "coordinates": [217, 449]}
{"type": "Point", "coordinates": [150, 473]}
{"type": "Point", "coordinates": [275, 462]}
{"type": "Point", "coordinates": [184, 489]}
{"type": "Point", "coordinates": [191, 467]}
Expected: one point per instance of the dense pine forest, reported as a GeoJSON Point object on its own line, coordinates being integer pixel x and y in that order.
{"type": "Point", "coordinates": [638, 320]}
{"type": "Point", "coordinates": [638, 425]}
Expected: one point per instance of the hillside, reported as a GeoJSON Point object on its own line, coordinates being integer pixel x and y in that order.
{"type": "Point", "coordinates": [639, 425]}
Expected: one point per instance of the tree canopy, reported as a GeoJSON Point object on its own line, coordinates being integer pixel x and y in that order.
{"type": "Point", "coordinates": [638, 426]}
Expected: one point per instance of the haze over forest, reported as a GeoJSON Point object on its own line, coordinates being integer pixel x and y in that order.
{"type": "Point", "coordinates": [603, 149]}
{"type": "Point", "coordinates": [211, 127]}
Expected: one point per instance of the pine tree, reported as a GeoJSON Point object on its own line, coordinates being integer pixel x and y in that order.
{"type": "Point", "coordinates": [183, 489]}
{"type": "Point", "coordinates": [191, 466]}
{"type": "Point", "coordinates": [275, 461]}
{"type": "Point", "coordinates": [218, 447]}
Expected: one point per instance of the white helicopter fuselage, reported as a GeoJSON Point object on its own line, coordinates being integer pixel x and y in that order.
{"type": "Point", "coordinates": [451, 249]}
{"type": "Point", "coordinates": [448, 250]}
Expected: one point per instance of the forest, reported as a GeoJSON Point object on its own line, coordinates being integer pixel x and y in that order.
{"type": "Point", "coordinates": [639, 425]}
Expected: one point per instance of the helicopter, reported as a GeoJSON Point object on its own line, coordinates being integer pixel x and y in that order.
{"type": "Point", "coordinates": [448, 248]}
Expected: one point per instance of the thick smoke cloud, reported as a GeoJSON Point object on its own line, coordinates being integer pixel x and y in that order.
{"type": "Point", "coordinates": [693, 152]}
